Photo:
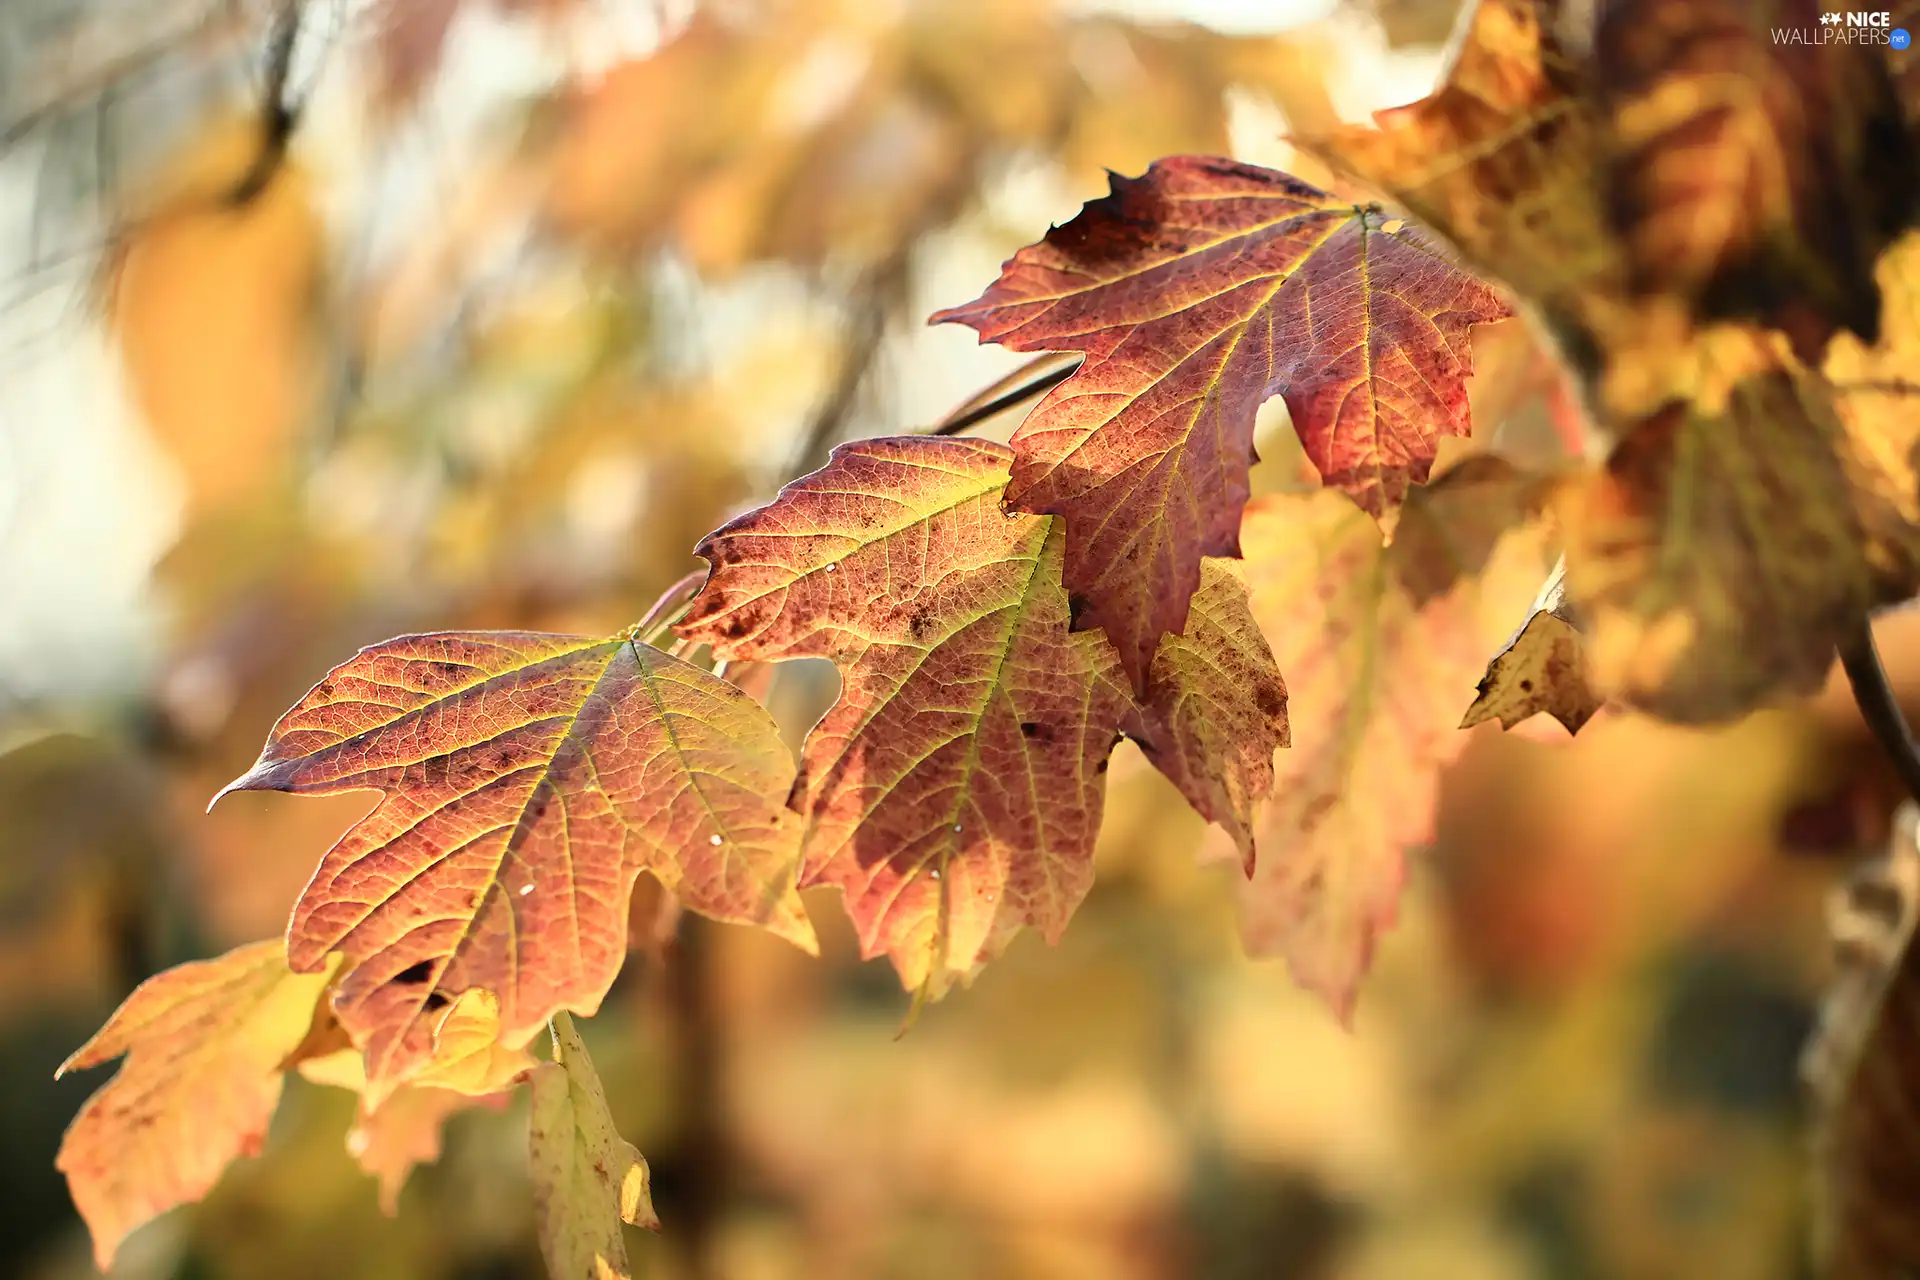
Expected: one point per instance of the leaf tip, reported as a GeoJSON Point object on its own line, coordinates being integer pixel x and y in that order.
{"type": "Point", "coordinates": [249, 781]}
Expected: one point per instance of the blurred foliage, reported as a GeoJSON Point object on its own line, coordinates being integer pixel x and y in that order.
{"type": "Point", "coordinates": [501, 366]}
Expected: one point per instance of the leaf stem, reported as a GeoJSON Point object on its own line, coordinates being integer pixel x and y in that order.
{"type": "Point", "coordinates": [1873, 694]}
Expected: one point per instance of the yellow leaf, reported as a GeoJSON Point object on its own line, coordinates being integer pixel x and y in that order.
{"type": "Point", "coordinates": [211, 311]}
{"type": "Point", "coordinates": [587, 1180]}
{"type": "Point", "coordinates": [205, 1045]}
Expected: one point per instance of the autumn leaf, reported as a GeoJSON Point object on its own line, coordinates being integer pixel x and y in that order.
{"type": "Point", "coordinates": [1542, 668]}
{"type": "Point", "coordinates": [1734, 536]}
{"type": "Point", "coordinates": [1863, 1067]}
{"type": "Point", "coordinates": [1218, 707]}
{"type": "Point", "coordinates": [467, 1057]}
{"type": "Point", "coordinates": [1666, 166]}
{"type": "Point", "coordinates": [212, 312]}
{"type": "Point", "coordinates": [390, 1137]}
{"type": "Point", "coordinates": [1197, 292]}
{"type": "Point", "coordinates": [528, 780]}
{"type": "Point", "coordinates": [586, 1179]}
{"type": "Point", "coordinates": [205, 1044]}
{"type": "Point", "coordinates": [954, 790]}
{"type": "Point", "coordinates": [399, 1127]}
{"type": "Point", "coordinates": [1381, 645]}
{"type": "Point", "coordinates": [406, 1131]}
{"type": "Point", "coordinates": [1752, 177]}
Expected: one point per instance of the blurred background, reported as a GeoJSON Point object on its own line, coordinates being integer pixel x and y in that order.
{"type": "Point", "coordinates": [326, 321]}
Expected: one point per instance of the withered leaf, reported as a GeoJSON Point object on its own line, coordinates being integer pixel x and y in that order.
{"type": "Point", "coordinates": [1197, 292]}
{"type": "Point", "coordinates": [1636, 169]}
{"type": "Point", "coordinates": [587, 1180]}
{"type": "Point", "coordinates": [527, 780]}
{"type": "Point", "coordinates": [1542, 668]}
{"type": "Point", "coordinates": [1733, 537]}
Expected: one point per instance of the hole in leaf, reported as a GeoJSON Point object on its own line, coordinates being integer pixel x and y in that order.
{"type": "Point", "coordinates": [414, 974]}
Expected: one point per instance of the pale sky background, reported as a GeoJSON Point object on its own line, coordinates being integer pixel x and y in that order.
{"type": "Point", "coordinates": [87, 502]}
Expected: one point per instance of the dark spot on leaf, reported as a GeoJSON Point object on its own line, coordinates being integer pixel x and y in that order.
{"type": "Point", "coordinates": [1034, 729]}
{"type": "Point", "coordinates": [448, 668]}
{"type": "Point", "coordinates": [920, 624]}
{"type": "Point", "coordinates": [1526, 686]}
{"type": "Point", "coordinates": [415, 974]}
{"type": "Point", "coordinates": [1269, 699]}
{"type": "Point", "coordinates": [436, 1001]}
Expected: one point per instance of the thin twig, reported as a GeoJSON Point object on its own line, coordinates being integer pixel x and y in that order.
{"type": "Point", "coordinates": [1873, 693]}
{"type": "Point", "coordinates": [881, 292]}
{"type": "Point", "coordinates": [974, 414]}
{"type": "Point", "coordinates": [279, 114]}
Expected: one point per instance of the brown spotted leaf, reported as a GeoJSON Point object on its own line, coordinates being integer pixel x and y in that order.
{"type": "Point", "coordinates": [1381, 646]}
{"type": "Point", "coordinates": [587, 1180]}
{"type": "Point", "coordinates": [1217, 707]}
{"type": "Point", "coordinates": [954, 790]}
{"type": "Point", "coordinates": [205, 1044]}
{"type": "Point", "coordinates": [1542, 668]}
{"type": "Point", "coordinates": [1197, 292]}
{"type": "Point", "coordinates": [527, 780]}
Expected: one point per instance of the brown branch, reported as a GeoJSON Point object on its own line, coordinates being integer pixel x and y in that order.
{"type": "Point", "coordinates": [279, 114]}
{"type": "Point", "coordinates": [1873, 693]}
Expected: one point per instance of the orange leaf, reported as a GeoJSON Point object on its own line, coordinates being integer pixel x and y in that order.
{"type": "Point", "coordinates": [1382, 646]}
{"type": "Point", "coordinates": [211, 307]}
{"type": "Point", "coordinates": [528, 780]}
{"type": "Point", "coordinates": [405, 1131]}
{"type": "Point", "coordinates": [205, 1044]}
{"type": "Point", "coordinates": [953, 791]}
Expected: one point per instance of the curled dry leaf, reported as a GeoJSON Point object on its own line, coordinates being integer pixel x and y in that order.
{"type": "Point", "coordinates": [1863, 1068]}
{"type": "Point", "coordinates": [954, 790]}
{"type": "Point", "coordinates": [1734, 536]}
{"type": "Point", "coordinates": [1542, 668]}
{"type": "Point", "coordinates": [1634, 168]}
{"type": "Point", "coordinates": [205, 1045]}
{"type": "Point", "coordinates": [1381, 645]}
{"type": "Point", "coordinates": [1698, 210]}
{"type": "Point", "coordinates": [1197, 292]}
{"type": "Point", "coordinates": [527, 780]}
{"type": "Point", "coordinates": [587, 1180]}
